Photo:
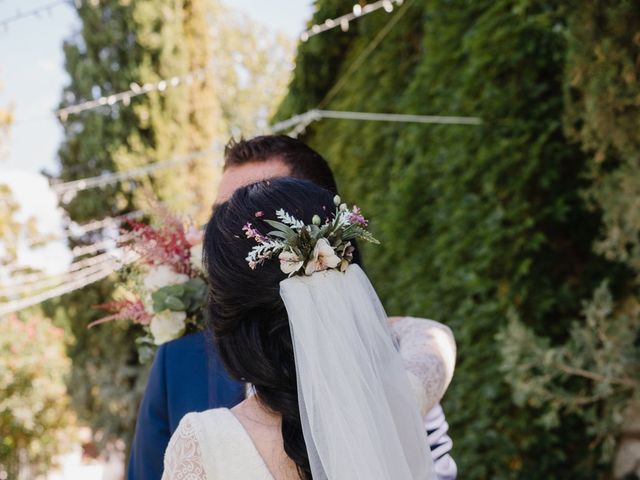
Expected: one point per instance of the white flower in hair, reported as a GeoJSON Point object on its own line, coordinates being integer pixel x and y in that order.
{"type": "Point", "coordinates": [324, 257]}
{"type": "Point", "coordinates": [290, 262]}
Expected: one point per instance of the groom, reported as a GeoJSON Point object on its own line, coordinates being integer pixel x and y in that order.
{"type": "Point", "coordinates": [187, 374]}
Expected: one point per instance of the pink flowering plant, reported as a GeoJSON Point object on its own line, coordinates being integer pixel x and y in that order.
{"type": "Point", "coordinates": [164, 290]}
{"type": "Point", "coordinates": [305, 249]}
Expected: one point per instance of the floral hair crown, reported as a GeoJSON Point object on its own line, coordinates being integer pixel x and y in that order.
{"type": "Point", "coordinates": [304, 249]}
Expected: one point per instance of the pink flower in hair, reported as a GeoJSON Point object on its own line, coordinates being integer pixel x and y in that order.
{"type": "Point", "coordinates": [251, 232]}
{"type": "Point", "coordinates": [356, 217]}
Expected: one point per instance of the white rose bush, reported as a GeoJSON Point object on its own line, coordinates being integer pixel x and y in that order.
{"type": "Point", "coordinates": [165, 290]}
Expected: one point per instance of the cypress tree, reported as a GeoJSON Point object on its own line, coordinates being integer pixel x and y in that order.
{"type": "Point", "coordinates": [121, 44]}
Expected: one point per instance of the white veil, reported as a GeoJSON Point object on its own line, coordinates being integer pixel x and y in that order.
{"type": "Point", "coordinates": [359, 417]}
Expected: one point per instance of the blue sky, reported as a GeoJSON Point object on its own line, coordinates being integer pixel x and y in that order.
{"type": "Point", "coordinates": [32, 74]}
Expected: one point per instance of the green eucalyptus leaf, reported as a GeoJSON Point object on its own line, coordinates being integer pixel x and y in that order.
{"type": "Point", "coordinates": [279, 234]}
{"type": "Point", "coordinates": [158, 298]}
{"type": "Point", "coordinates": [178, 290]}
{"type": "Point", "coordinates": [175, 304]}
{"type": "Point", "coordinates": [282, 228]}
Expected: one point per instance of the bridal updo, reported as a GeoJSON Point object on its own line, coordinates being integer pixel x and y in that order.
{"type": "Point", "coordinates": [246, 313]}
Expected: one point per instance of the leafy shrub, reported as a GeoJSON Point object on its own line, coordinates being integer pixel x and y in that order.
{"type": "Point", "coordinates": [35, 421]}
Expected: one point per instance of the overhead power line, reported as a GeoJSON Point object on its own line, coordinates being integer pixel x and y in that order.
{"type": "Point", "coordinates": [103, 244]}
{"type": "Point", "coordinates": [76, 230]}
{"type": "Point", "coordinates": [77, 270]}
{"type": "Point", "coordinates": [315, 115]}
{"type": "Point", "coordinates": [36, 277]}
{"type": "Point", "coordinates": [400, 117]}
{"type": "Point", "coordinates": [20, 304]}
{"type": "Point", "coordinates": [33, 13]}
{"type": "Point", "coordinates": [111, 178]}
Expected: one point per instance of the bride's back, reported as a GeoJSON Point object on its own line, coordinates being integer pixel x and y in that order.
{"type": "Point", "coordinates": [265, 430]}
{"type": "Point", "coordinates": [216, 445]}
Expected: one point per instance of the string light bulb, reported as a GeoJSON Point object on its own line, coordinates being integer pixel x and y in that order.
{"type": "Point", "coordinates": [357, 11]}
{"type": "Point", "coordinates": [134, 90]}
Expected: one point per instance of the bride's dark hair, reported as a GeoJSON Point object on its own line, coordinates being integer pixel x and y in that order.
{"type": "Point", "coordinates": [245, 310]}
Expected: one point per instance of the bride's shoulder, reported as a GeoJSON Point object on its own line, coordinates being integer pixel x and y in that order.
{"type": "Point", "coordinates": [207, 429]}
{"type": "Point", "coordinates": [209, 424]}
{"type": "Point", "coordinates": [221, 414]}
{"type": "Point", "coordinates": [194, 418]}
{"type": "Point", "coordinates": [218, 428]}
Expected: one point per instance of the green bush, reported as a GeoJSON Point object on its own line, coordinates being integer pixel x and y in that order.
{"type": "Point", "coordinates": [603, 114]}
{"type": "Point", "coordinates": [595, 374]}
{"type": "Point", "coordinates": [35, 423]}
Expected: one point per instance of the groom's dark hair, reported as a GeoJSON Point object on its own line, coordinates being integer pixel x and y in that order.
{"type": "Point", "coordinates": [303, 161]}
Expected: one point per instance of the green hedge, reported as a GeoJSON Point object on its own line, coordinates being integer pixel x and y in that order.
{"type": "Point", "coordinates": [476, 221]}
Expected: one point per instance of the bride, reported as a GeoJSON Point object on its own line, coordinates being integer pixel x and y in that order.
{"type": "Point", "coordinates": [294, 316]}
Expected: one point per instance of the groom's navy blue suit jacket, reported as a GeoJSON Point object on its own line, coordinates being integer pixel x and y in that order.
{"type": "Point", "coordinates": [186, 376]}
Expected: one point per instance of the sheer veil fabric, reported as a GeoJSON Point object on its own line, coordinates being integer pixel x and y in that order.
{"type": "Point", "coordinates": [359, 417]}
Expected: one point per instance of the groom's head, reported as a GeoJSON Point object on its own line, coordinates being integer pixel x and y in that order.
{"type": "Point", "coordinates": [271, 156]}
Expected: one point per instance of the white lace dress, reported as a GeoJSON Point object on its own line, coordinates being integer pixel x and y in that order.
{"type": "Point", "coordinates": [213, 445]}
